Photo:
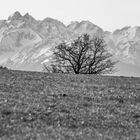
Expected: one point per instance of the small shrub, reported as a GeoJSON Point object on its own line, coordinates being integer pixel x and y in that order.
{"type": "Point", "coordinates": [3, 68]}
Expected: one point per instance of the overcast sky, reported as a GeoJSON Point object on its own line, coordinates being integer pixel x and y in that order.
{"type": "Point", "coordinates": [108, 14]}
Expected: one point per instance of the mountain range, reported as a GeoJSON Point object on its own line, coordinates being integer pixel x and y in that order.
{"type": "Point", "coordinates": [27, 43]}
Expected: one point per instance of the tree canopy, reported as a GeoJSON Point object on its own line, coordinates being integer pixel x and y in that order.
{"type": "Point", "coordinates": [84, 55]}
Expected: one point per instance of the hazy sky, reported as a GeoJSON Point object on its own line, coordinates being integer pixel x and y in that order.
{"type": "Point", "coordinates": [108, 14]}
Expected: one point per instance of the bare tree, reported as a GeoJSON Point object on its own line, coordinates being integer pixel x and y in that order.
{"type": "Point", "coordinates": [82, 56]}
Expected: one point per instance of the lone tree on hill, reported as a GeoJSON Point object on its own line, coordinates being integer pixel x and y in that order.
{"type": "Point", "coordinates": [82, 56]}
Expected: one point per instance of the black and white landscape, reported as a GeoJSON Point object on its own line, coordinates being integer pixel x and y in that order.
{"type": "Point", "coordinates": [70, 70]}
{"type": "Point", "coordinates": [27, 43]}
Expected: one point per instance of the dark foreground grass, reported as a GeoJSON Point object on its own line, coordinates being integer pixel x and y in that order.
{"type": "Point", "coordinates": [42, 106]}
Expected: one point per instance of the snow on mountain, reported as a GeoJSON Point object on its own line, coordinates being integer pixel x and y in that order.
{"type": "Point", "coordinates": [127, 44]}
{"type": "Point", "coordinates": [27, 43]}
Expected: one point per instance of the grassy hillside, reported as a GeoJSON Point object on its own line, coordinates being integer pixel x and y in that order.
{"type": "Point", "coordinates": [43, 106]}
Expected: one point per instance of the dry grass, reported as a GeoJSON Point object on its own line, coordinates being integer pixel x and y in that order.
{"type": "Point", "coordinates": [42, 106]}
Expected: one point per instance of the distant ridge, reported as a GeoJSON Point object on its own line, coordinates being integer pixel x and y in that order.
{"type": "Point", "coordinates": [27, 43]}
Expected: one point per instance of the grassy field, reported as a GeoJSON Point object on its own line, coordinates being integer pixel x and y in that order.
{"type": "Point", "coordinates": [41, 106]}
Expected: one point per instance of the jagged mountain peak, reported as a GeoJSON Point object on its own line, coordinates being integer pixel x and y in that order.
{"type": "Point", "coordinates": [29, 20]}
{"type": "Point", "coordinates": [27, 16]}
{"type": "Point", "coordinates": [15, 16]}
